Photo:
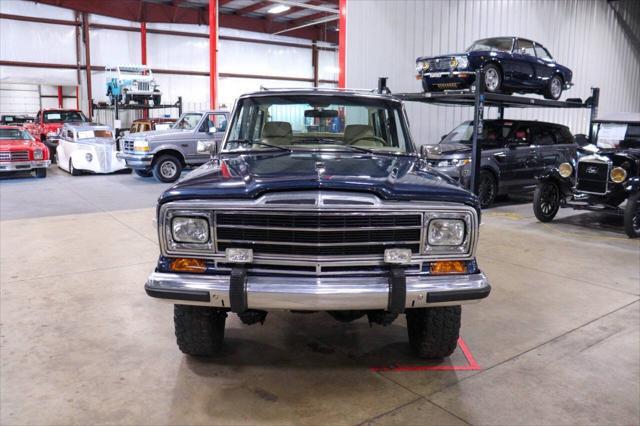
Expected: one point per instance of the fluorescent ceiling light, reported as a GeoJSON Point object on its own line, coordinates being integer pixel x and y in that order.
{"type": "Point", "coordinates": [278, 9]}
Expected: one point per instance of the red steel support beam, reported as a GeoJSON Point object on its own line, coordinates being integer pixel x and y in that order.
{"type": "Point", "coordinates": [143, 42]}
{"type": "Point", "coordinates": [60, 105]}
{"type": "Point", "coordinates": [342, 45]}
{"type": "Point", "coordinates": [213, 53]}
{"type": "Point", "coordinates": [87, 53]}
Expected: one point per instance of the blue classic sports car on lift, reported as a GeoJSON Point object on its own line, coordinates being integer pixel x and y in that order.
{"type": "Point", "coordinates": [511, 64]}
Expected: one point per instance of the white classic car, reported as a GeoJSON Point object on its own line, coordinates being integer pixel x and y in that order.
{"type": "Point", "coordinates": [88, 147]}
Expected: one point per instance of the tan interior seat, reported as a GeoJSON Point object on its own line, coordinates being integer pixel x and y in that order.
{"type": "Point", "coordinates": [354, 131]}
{"type": "Point", "coordinates": [277, 133]}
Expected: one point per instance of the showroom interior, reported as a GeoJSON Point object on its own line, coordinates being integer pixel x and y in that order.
{"type": "Point", "coordinates": [320, 212]}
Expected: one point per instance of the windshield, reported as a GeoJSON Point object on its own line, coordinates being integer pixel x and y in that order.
{"type": "Point", "coordinates": [188, 121]}
{"type": "Point", "coordinates": [63, 116]}
{"type": "Point", "coordinates": [492, 133]}
{"type": "Point", "coordinates": [617, 135]}
{"type": "Point", "coordinates": [13, 134]}
{"type": "Point", "coordinates": [89, 134]}
{"type": "Point", "coordinates": [318, 123]}
{"type": "Point", "coordinates": [502, 44]}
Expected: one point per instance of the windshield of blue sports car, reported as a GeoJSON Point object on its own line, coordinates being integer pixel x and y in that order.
{"type": "Point", "coordinates": [502, 44]}
{"type": "Point", "coordinates": [319, 122]}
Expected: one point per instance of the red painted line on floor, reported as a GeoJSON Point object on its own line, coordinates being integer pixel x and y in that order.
{"type": "Point", "coordinates": [471, 361]}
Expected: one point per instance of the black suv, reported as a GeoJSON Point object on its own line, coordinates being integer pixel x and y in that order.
{"type": "Point", "coordinates": [601, 181]}
{"type": "Point", "coordinates": [514, 153]}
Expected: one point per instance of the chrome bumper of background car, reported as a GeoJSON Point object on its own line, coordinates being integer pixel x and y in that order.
{"type": "Point", "coordinates": [317, 293]}
{"type": "Point", "coordinates": [437, 74]}
{"type": "Point", "coordinates": [136, 160]}
{"type": "Point", "coordinates": [24, 165]}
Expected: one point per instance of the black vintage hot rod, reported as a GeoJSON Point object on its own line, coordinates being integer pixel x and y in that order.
{"type": "Point", "coordinates": [600, 181]}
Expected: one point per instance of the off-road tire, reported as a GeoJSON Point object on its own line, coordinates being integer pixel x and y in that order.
{"type": "Point", "coordinates": [632, 216]}
{"type": "Point", "coordinates": [143, 172]}
{"type": "Point", "coordinates": [544, 207]}
{"type": "Point", "coordinates": [199, 329]}
{"type": "Point", "coordinates": [161, 175]}
{"type": "Point", "coordinates": [41, 173]}
{"type": "Point", "coordinates": [433, 332]}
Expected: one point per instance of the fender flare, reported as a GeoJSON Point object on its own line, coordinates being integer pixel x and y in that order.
{"type": "Point", "coordinates": [552, 174]}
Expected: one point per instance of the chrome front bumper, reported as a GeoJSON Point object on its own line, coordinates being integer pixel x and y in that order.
{"type": "Point", "coordinates": [136, 161]}
{"type": "Point", "coordinates": [24, 165]}
{"type": "Point", "coordinates": [317, 293]}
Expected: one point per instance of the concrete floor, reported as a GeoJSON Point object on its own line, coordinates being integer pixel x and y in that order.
{"type": "Point", "coordinates": [558, 340]}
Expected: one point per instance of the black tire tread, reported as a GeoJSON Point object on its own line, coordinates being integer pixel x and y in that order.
{"type": "Point", "coordinates": [537, 211]}
{"type": "Point", "coordinates": [487, 174]}
{"type": "Point", "coordinates": [199, 330]}
{"type": "Point", "coordinates": [41, 173]}
{"type": "Point", "coordinates": [629, 213]}
{"type": "Point", "coordinates": [433, 332]}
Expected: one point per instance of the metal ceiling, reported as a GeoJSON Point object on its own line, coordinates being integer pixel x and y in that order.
{"type": "Point", "coordinates": [309, 19]}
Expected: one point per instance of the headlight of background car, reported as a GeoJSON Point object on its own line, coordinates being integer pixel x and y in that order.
{"type": "Point", "coordinates": [37, 154]}
{"type": "Point", "coordinates": [190, 230]}
{"type": "Point", "coordinates": [454, 162]}
{"type": "Point", "coordinates": [419, 66]}
{"type": "Point", "coordinates": [141, 145]}
{"type": "Point", "coordinates": [565, 170]}
{"type": "Point", "coordinates": [618, 174]}
{"type": "Point", "coordinates": [446, 232]}
{"type": "Point", "coordinates": [463, 62]}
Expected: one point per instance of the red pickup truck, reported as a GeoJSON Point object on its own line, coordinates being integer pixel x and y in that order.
{"type": "Point", "coordinates": [19, 151]}
{"type": "Point", "coordinates": [47, 124]}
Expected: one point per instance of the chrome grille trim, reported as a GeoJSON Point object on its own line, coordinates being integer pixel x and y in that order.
{"type": "Point", "coordinates": [264, 205]}
{"type": "Point", "coordinates": [14, 156]}
{"type": "Point", "coordinates": [128, 146]}
{"type": "Point", "coordinates": [582, 179]}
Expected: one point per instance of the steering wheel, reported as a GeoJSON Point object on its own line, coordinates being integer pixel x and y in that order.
{"type": "Point", "coordinates": [371, 137]}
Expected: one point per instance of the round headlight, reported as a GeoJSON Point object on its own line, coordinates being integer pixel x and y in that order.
{"type": "Point", "coordinates": [88, 156]}
{"type": "Point", "coordinates": [190, 230]}
{"type": "Point", "coordinates": [565, 170]}
{"type": "Point", "coordinates": [454, 62]}
{"type": "Point", "coordinates": [618, 174]}
{"type": "Point", "coordinates": [37, 154]}
{"type": "Point", "coordinates": [425, 66]}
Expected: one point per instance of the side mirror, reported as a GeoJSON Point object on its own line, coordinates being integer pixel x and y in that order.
{"type": "Point", "coordinates": [212, 129]}
{"type": "Point", "coordinates": [424, 152]}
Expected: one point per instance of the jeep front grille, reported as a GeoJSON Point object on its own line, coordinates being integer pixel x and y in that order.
{"type": "Point", "coordinates": [319, 234]}
{"type": "Point", "coordinates": [592, 177]}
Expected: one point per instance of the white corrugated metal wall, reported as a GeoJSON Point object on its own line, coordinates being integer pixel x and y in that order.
{"type": "Point", "coordinates": [598, 40]}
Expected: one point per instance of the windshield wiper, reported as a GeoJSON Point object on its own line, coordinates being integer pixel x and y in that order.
{"type": "Point", "coordinates": [329, 141]}
{"type": "Point", "coordinates": [250, 142]}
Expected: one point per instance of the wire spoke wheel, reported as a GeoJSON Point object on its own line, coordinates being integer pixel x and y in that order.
{"type": "Point", "coordinates": [549, 200]}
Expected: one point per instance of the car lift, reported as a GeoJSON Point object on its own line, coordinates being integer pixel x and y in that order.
{"type": "Point", "coordinates": [479, 99]}
{"type": "Point", "coordinates": [109, 114]}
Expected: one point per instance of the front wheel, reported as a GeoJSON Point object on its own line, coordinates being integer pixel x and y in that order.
{"type": "Point", "coordinates": [199, 329]}
{"type": "Point", "coordinates": [632, 216]}
{"type": "Point", "coordinates": [487, 189]}
{"type": "Point", "coordinates": [554, 88]}
{"type": "Point", "coordinates": [434, 332]}
{"type": "Point", "coordinates": [41, 173]}
{"type": "Point", "coordinates": [72, 170]}
{"type": "Point", "coordinates": [167, 168]}
{"type": "Point", "coordinates": [546, 201]}
{"type": "Point", "coordinates": [492, 78]}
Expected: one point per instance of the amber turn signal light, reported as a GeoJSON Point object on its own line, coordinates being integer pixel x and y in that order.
{"type": "Point", "coordinates": [448, 267]}
{"type": "Point", "coordinates": [188, 265]}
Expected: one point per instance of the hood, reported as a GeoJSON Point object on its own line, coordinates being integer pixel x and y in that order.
{"type": "Point", "coordinates": [446, 55]}
{"type": "Point", "coordinates": [157, 135]}
{"type": "Point", "coordinates": [252, 175]}
{"type": "Point", "coordinates": [16, 144]}
{"type": "Point", "coordinates": [97, 141]}
{"type": "Point", "coordinates": [448, 150]}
